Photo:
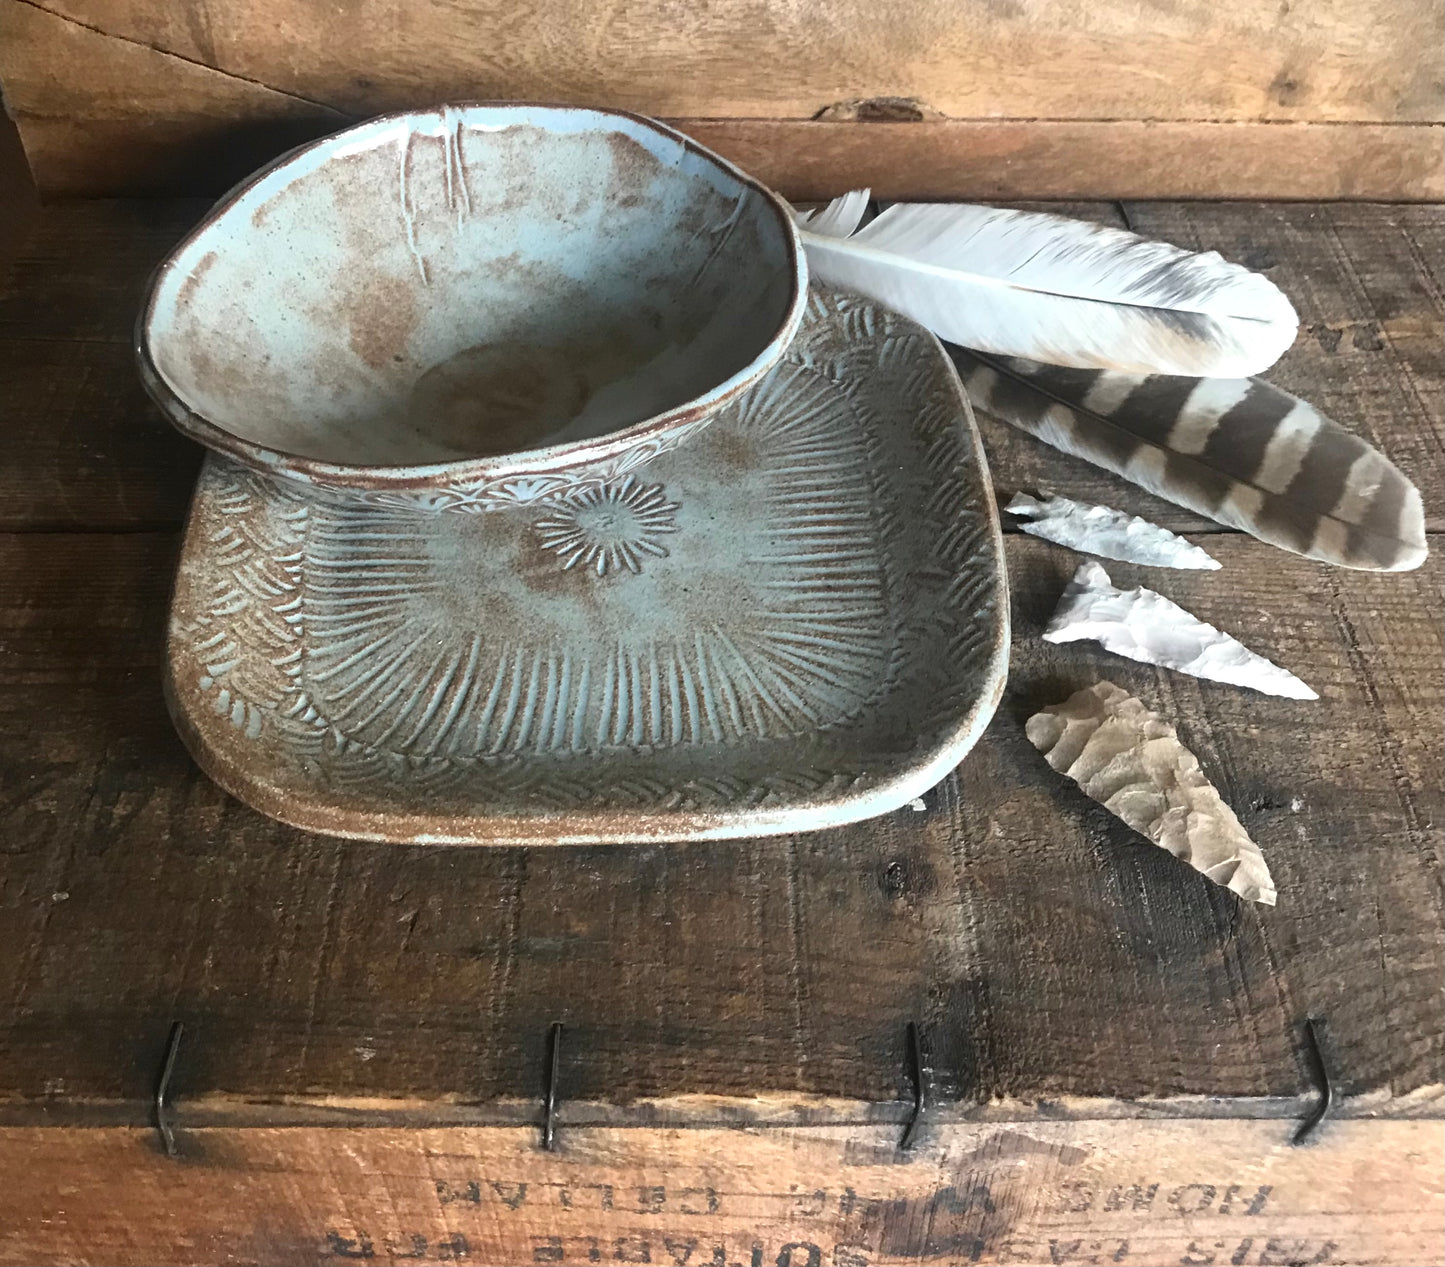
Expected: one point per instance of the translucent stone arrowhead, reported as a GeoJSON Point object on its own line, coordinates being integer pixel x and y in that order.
{"type": "Point", "coordinates": [1109, 533]}
{"type": "Point", "coordinates": [1147, 627]}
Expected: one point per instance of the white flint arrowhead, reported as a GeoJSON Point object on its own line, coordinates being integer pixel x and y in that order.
{"type": "Point", "coordinates": [1147, 627]}
{"type": "Point", "coordinates": [1108, 533]}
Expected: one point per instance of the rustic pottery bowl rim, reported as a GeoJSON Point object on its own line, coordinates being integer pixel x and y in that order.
{"type": "Point", "coordinates": [521, 463]}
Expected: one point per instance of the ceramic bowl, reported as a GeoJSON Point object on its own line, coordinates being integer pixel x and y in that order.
{"type": "Point", "coordinates": [473, 307]}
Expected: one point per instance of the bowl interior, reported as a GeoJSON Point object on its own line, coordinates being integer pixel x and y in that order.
{"type": "Point", "coordinates": [470, 282]}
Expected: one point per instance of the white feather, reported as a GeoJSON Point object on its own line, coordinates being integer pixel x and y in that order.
{"type": "Point", "coordinates": [1064, 292]}
{"type": "Point", "coordinates": [839, 218]}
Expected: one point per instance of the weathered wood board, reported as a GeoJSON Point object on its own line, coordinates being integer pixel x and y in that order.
{"type": "Point", "coordinates": [987, 159]}
{"type": "Point", "coordinates": [365, 1022]}
{"type": "Point", "coordinates": [1367, 281]}
{"type": "Point", "coordinates": [272, 944]}
{"type": "Point", "coordinates": [1198, 1194]}
{"type": "Point", "coordinates": [1045, 950]}
{"type": "Point", "coordinates": [1319, 98]}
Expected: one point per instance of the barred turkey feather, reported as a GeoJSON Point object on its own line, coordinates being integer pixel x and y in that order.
{"type": "Point", "coordinates": [1022, 283]}
{"type": "Point", "coordinates": [1240, 451]}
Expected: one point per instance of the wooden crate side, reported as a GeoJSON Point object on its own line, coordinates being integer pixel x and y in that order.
{"type": "Point", "coordinates": [1119, 158]}
{"type": "Point", "coordinates": [1196, 1194]}
{"type": "Point", "coordinates": [964, 159]}
{"type": "Point", "coordinates": [1323, 98]}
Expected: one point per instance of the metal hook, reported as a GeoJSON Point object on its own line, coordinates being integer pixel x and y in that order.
{"type": "Point", "coordinates": [163, 1083]}
{"type": "Point", "coordinates": [914, 1056]}
{"type": "Point", "coordinates": [1320, 1073]}
{"type": "Point", "coordinates": [549, 1099]}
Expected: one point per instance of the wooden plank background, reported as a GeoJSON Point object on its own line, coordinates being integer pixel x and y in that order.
{"type": "Point", "coordinates": [1047, 953]}
{"type": "Point", "coordinates": [1105, 1194]}
{"type": "Point", "coordinates": [982, 98]}
{"type": "Point", "coordinates": [367, 1022]}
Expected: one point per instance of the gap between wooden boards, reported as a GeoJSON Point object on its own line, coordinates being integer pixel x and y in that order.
{"type": "Point", "coordinates": [775, 1111]}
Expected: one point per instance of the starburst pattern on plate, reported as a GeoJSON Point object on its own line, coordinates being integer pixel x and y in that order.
{"type": "Point", "coordinates": [825, 627]}
{"type": "Point", "coordinates": [615, 526]}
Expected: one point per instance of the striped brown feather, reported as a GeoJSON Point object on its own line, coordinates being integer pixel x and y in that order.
{"type": "Point", "coordinates": [1238, 450]}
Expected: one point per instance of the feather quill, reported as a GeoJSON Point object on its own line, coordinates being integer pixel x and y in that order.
{"type": "Point", "coordinates": [1240, 451]}
{"type": "Point", "coordinates": [1021, 283]}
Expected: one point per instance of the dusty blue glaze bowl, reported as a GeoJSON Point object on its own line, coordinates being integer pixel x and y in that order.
{"type": "Point", "coordinates": [473, 307]}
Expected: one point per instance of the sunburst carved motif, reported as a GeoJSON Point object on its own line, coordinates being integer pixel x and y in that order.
{"type": "Point", "coordinates": [609, 528]}
{"type": "Point", "coordinates": [825, 621]}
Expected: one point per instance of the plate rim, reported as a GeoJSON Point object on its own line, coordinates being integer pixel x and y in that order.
{"type": "Point", "coordinates": [626, 826]}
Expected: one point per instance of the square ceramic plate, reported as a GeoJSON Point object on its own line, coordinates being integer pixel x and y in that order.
{"type": "Point", "coordinates": [797, 619]}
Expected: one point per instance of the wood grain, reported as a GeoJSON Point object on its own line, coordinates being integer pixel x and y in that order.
{"type": "Point", "coordinates": [1046, 951]}
{"type": "Point", "coordinates": [139, 96]}
{"type": "Point", "coordinates": [1096, 1018]}
{"type": "Point", "coordinates": [1150, 1194]}
{"type": "Point", "coordinates": [978, 160]}
{"type": "Point", "coordinates": [83, 449]}
{"type": "Point", "coordinates": [985, 159]}
{"type": "Point", "coordinates": [1319, 60]}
